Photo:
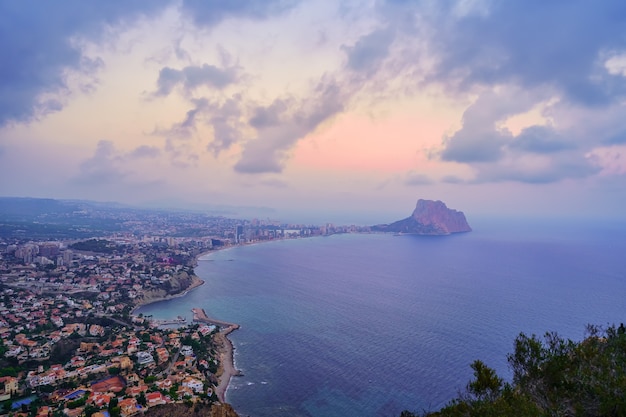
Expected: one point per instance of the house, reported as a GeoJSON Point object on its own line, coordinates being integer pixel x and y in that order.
{"type": "Point", "coordinates": [144, 358]}
{"type": "Point", "coordinates": [123, 362]}
{"type": "Point", "coordinates": [186, 350]}
{"type": "Point", "coordinates": [8, 387]}
{"type": "Point", "coordinates": [194, 384]}
{"type": "Point", "coordinates": [128, 407]}
{"type": "Point", "coordinates": [135, 391]}
{"type": "Point", "coordinates": [165, 384]}
{"type": "Point", "coordinates": [162, 354]}
{"type": "Point", "coordinates": [155, 398]}
{"type": "Point", "coordinates": [100, 400]}
{"type": "Point", "coordinates": [96, 330]}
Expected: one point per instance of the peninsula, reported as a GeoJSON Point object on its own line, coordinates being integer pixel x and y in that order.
{"type": "Point", "coordinates": [429, 218]}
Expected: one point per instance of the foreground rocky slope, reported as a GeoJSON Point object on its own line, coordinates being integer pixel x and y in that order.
{"type": "Point", "coordinates": [552, 377]}
{"type": "Point", "coordinates": [192, 410]}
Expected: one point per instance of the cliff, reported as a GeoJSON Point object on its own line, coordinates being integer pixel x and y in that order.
{"type": "Point", "coordinates": [174, 287]}
{"type": "Point", "coordinates": [429, 218]}
{"type": "Point", "coordinates": [197, 410]}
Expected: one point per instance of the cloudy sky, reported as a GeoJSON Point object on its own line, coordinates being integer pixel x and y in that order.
{"type": "Point", "coordinates": [319, 108]}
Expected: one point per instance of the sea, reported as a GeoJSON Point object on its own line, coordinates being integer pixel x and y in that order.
{"type": "Point", "coordinates": [373, 324]}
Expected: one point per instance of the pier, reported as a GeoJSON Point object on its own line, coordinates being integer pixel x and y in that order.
{"type": "Point", "coordinates": [200, 316]}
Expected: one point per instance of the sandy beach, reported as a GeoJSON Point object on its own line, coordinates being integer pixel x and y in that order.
{"type": "Point", "coordinates": [225, 349]}
{"type": "Point", "coordinates": [227, 362]}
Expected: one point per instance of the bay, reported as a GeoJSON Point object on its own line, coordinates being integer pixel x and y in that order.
{"type": "Point", "coordinates": [372, 324]}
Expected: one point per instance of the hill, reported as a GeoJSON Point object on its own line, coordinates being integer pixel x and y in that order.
{"type": "Point", "coordinates": [552, 376]}
{"type": "Point", "coordinates": [429, 218]}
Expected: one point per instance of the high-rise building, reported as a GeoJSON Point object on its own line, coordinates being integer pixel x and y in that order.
{"type": "Point", "coordinates": [68, 256]}
{"type": "Point", "coordinates": [49, 250]}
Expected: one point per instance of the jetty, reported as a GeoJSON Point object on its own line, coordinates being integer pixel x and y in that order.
{"type": "Point", "coordinates": [200, 316]}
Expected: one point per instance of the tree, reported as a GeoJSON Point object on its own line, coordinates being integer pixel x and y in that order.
{"type": "Point", "coordinates": [486, 385]}
{"type": "Point", "coordinates": [141, 399]}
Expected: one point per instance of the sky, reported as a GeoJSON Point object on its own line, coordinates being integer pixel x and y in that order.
{"type": "Point", "coordinates": [332, 110]}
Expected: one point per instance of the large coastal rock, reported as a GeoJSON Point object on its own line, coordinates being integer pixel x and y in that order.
{"type": "Point", "coordinates": [429, 218]}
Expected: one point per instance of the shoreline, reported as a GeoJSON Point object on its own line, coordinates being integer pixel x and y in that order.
{"type": "Point", "coordinates": [225, 349]}
{"type": "Point", "coordinates": [196, 281]}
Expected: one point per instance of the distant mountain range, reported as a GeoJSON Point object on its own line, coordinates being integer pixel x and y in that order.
{"type": "Point", "coordinates": [429, 218]}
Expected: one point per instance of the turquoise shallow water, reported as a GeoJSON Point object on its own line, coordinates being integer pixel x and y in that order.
{"type": "Point", "coordinates": [369, 325]}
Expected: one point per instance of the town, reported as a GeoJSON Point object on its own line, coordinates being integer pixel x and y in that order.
{"type": "Point", "coordinates": [70, 344]}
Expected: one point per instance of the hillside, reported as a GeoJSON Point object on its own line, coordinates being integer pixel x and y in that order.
{"type": "Point", "coordinates": [552, 376]}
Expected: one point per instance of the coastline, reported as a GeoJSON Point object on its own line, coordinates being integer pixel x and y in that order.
{"type": "Point", "coordinates": [195, 283]}
{"type": "Point", "coordinates": [225, 347]}
{"type": "Point", "coordinates": [226, 350]}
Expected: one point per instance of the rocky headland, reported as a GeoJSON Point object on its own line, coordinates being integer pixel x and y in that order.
{"type": "Point", "coordinates": [177, 286]}
{"type": "Point", "coordinates": [429, 218]}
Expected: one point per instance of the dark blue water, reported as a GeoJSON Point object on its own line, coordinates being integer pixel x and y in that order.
{"type": "Point", "coordinates": [369, 325]}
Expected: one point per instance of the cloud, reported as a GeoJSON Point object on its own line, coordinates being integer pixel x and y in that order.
{"type": "Point", "coordinates": [284, 122]}
{"type": "Point", "coordinates": [192, 77]}
{"type": "Point", "coordinates": [467, 146]}
{"type": "Point", "coordinates": [36, 52]}
{"type": "Point", "coordinates": [225, 120]}
{"type": "Point", "coordinates": [209, 13]}
{"type": "Point", "coordinates": [479, 140]}
{"type": "Point", "coordinates": [104, 167]}
{"type": "Point", "coordinates": [537, 169]}
{"type": "Point", "coordinates": [452, 179]}
{"type": "Point", "coordinates": [369, 51]}
{"type": "Point", "coordinates": [541, 140]}
{"type": "Point", "coordinates": [537, 154]}
{"type": "Point", "coordinates": [145, 151]}
{"type": "Point", "coordinates": [107, 166]}
{"type": "Point", "coordinates": [274, 183]}
{"type": "Point", "coordinates": [269, 116]}
{"type": "Point", "coordinates": [223, 117]}
{"type": "Point", "coordinates": [530, 44]}
{"type": "Point", "coordinates": [415, 178]}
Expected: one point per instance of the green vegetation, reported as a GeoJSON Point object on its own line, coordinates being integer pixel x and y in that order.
{"type": "Point", "coordinates": [96, 245]}
{"type": "Point", "coordinates": [552, 376]}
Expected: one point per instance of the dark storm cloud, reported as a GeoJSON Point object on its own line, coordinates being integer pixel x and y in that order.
{"type": "Point", "coordinates": [533, 43]}
{"type": "Point", "coordinates": [211, 12]}
{"type": "Point", "coordinates": [35, 48]}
